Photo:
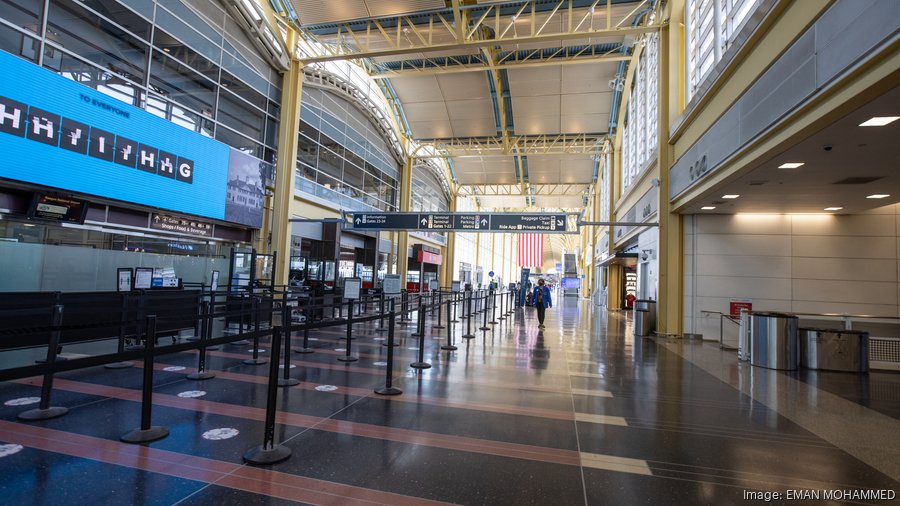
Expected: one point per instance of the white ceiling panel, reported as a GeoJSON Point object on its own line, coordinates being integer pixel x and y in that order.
{"type": "Point", "coordinates": [315, 11]}
{"type": "Point", "coordinates": [587, 77]}
{"type": "Point", "coordinates": [474, 127]}
{"type": "Point", "coordinates": [464, 85]}
{"type": "Point", "coordinates": [502, 201]}
{"type": "Point", "coordinates": [392, 7]}
{"type": "Point", "coordinates": [585, 123]}
{"type": "Point", "coordinates": [563, 201]}
{"type": "Point", "coordinates": [543, 163]}
{"type": "Point", "coordinates": [536, 125]}
{"type": "Point", "coordinates": [471, 109]}
{"type": "Point", "coordinates": [547, 105]}
{"type": "Point", "coordinates": [426, 111]}
{"type": "Point", "coordinates": [584, 103]}
{"type": "Point", "coordinates": [417, 89]}
{"type": "Point", "coordinates": [430, 129]}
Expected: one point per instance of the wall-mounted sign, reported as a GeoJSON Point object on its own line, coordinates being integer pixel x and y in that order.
{"type": "Point", "coordinates": [58, 133]}
{"type": "Point", "coordinates": [427, 257]}
{"type": "Point", "coordinates": [181, 225]}
{"type": "Point", "coordinates": [143, 278]}
{"type": "Point", "coordinates": [53, 208]}
{"type": "Point", "coordinates": [735, 306]}
{"type": "Point", "coordinates": [455, 286]}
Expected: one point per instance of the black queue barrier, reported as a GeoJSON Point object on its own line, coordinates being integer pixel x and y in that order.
{"type": "Point", "coordinates": [256, 325]}
{"type": "Point", "coordinates": [381, 306]}
{"type": "Point", "coordinates": [347, 357]}
{"type": "Point", "coordinates": [147, 432]}
{"type": "Point", "coordinates": [455, 307]}
{"type": "Point", "coordinates": [449, 346]}
{"type": "Point", "coordinates": [503, 299]}
{"type": "Point", "coordinates": [484, 326]}
{"type": "Point", "coordinates": [205, 333]}
{"type": "Point", "coordinates": [307, 314]}
{"type": "Point", "coordinates": [269, 452]}
{"type": "Point", "coordinates": [493, 295]}
{"type": "Point", "coordinates": [389, 388]}
{"type": "Point", "coordinates": [420, 319]}
{"type": "Point", "coordinates": [286, 380]}
{"type": "Point", "coordinates": [45, 411]}
{"type": "Point", "coordinates": [439, 307]}
{"type": "Point", "coordinates": [404, 307]}
{"type": "Point", "coordinates": [467, 307]}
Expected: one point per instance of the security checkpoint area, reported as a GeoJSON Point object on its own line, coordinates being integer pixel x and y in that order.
{"type": "Point", "coordinates": [476, 252]}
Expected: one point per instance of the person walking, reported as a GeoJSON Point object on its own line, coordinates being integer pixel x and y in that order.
{"type": "Point", "coordinates": [540, 299]}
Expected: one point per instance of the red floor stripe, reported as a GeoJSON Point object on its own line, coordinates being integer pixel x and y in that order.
{"type": "Point", "coordinates": [240, 477]}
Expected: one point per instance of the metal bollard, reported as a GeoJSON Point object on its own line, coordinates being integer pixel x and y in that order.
{"type": "Point", "coordinates": [146, 432]}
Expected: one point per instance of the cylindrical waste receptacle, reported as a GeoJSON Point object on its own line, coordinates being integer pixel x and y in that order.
{"type": "Point", "coordinates": [650, 306]}
{"type": "Point", "coordinates": [834, 349]}
{"type": "Point", "coordinates": [641, 319]}
{"type": "Point", "coordinates": [773, 341]}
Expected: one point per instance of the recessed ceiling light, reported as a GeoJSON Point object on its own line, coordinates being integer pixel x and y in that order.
{"type": "Point", "coordinates": [730, 196]}
{"type": "Point", "coordinates": [878, 196]}
{"type": "Point", "coordinates": [879, 121]}
{"type": "Point", "coordinates": [708, 208]}
{"type": "Point", "coordinates": [790, 165]}
{"type": "Point", "coordinates": [833, 208]}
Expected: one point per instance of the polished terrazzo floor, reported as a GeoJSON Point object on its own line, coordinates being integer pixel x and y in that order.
{"type": "Point", "coordinates": [580, 413]}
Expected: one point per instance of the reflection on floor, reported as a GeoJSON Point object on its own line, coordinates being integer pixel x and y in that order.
{"type": "Point", "coordinates": [580, 413]}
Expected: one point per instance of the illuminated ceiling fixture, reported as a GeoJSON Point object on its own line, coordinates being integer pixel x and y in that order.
{"type": "Point", "coordinates": [708, 208]}
{"type": "Point", "coordinates": [878, 196]}
{"type": "Point", "coordinates": [879, 121]}
{"type": "Point", "coordinates": [791, 165]}
{"type": "Point", "coordinates": [833, 208]}
{"type": "Point", "coordinates": [730, 196]}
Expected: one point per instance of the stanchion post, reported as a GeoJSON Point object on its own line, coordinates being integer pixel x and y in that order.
{"type": "Point", "coordinates": [467, 306]}
{"type": "Point", "coordinates": [308, 315]}
{"type": "Point", "coordinates": [420, 320]}
{"type": "Point", "coordinates": [484, 326]}
{"type": "Point", "coordinates": [205, 333]}
{"type": "Point", "coordinates": [421, 363]}
{"type": "Point", "coordinates": [502, 306]}
{"type": "Point", "coordinates": [255, 360]}
{"type": "Point", "coordinates": [269, 452]}
{"type": "Point", "coordinates": [123, 318]}
{"type": "Point", "coordinates": [493, 302]}
{"type": "Point", "coordinates": [381, 312]}
{"type": "Point", "coordinates": [449, 346]}
{"type": "Point", "coordinates": [286, 380]}
{"type": "Point", "coordinates": [45, 411]}
{"type": "Point", "coordinates": [347, 357]}
{"type": "Point", "coordinates": [389, 388]}
{"type": "Point", "coordinates": [455, 299]}
{"type": "Point", "coordinates": [146, 432]}
{"type": "Point", "coordinates": [404, 306]}
{"type": "Point", "coordinates": [440, 301]}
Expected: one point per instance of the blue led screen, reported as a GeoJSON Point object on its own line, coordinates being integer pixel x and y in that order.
{"type": "Point", "coordinates": [58, 133]}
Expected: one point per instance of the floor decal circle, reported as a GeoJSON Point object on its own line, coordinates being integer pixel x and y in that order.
{"type": "Point", "coordinates": [379, 339]}
{"type": "Point", "coordinates": [340, 349]}
{"type": "Point", "coordinates": [413, 348]}
{"type": "Point", "coordinates": [282, 366]}
{"type": "Point", "coordinates": [10, 449]}
{"type": "Point", "coordinates": [220, 434]}
{"type": "Point", "coordinates": [174, 368]}
{"type": "Point", "coordinates": [313, 339]}
{"type": "Point", "coordinates": [326, 388]}
{"type": "Point", "coordinates": [22, 401]}
{"type": "Point", "coordinates": [260, 350]}
{"type": "Point", "coordinates": [380, 364]}
{"type": "Point", "coordinates": [191, 394]}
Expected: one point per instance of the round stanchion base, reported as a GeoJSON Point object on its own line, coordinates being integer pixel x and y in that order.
{"type": "Point", "coordinates": [394, 345]}
{"type": "Point", "coordinates": [254, 361]}
{"type": "Point", "coordinates": [492, 323]}
{"type": "Point", "coordinates": [484, 328]}
{"type": "Point", "coordinates": [145, 436]}
{"type": "Point", "coordinates": [303, 350]}
{"type": "Point", "coordinates": [290, 382]}
{"type": "Point", "coordinates": [119, 365]}
{"type": "Point", "coordinates": [348, 359]}
{"type": "Point", "coordinates": [415, 334]}
{"type": "Point", "coordinates": [438, 327]}
{"type": "Point", "coordinates": [449, 347]}
{"type": "Point", "coordinates": [454, 321]}
{"type": "Point", "coordinates": [468, 336]}
{"type": "Point", "coordinates": [242, 342]}
{"type": "Point", "coordinates": [262, 456]}
{"type": "Point", "coordinates": [420, 365]}
{"type": "Point", "coordinates": [501, 318]}
{"type": "Point", "coordinates": [201, 375]}
{"type": "Point", "coordinates": [388, 391]}
{"type": "Point", "coordinates": [43, 414]}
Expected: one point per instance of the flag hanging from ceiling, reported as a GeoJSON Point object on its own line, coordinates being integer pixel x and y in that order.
{"type": "Point", "coordinates": [531, 250]}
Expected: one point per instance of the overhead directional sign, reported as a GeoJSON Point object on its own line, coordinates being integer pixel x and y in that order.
{"type": "Point", "coordinates": [463, 222]}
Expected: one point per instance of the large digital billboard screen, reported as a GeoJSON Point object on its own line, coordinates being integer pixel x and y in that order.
{"type": "Point", "coordinates": [58, 133]}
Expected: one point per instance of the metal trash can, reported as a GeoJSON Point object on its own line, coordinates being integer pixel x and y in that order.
{"type": "Point", "coordinates": [650, 306]}
{"type": "Point", "coordinates": [774, 341]}
{"type": "Point", "coordinates": [834, 349]}
{"type": "Point", "coordinates": [641, 319]}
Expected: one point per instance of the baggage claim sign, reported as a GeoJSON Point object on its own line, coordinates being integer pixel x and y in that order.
{"type": "Point", "coordinates": [58, 133]}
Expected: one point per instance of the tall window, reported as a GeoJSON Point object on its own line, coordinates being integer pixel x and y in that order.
{"type": "Point", "coordinates": [639, 133]}
{"type": "Point", "coordinates": [711, 27]}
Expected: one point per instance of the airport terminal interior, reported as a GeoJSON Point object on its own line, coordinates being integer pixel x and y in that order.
{"type": "Point", "coordinates": [481, 252]}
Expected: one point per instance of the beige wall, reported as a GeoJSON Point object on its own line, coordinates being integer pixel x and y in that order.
{"type": "Point", "coordinates": [800, 263]}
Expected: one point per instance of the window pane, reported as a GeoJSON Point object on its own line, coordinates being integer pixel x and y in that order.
{"type": "Point", "coordinates": [184, 54]}
{"type": "Point", "coordinates": [177, 82]}
{"type": "Point", "coordinates": [240, 116]}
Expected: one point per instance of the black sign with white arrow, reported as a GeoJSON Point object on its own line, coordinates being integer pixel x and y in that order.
{"type": "Point", "coordinates": [462, 222]}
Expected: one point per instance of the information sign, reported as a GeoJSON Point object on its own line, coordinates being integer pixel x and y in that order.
{"type": "Point", "coordinates": [351, 288]}
{"type": "Point", "coordinates": [391, 285]}
{"type": "Point", "coordinates": [124, 276]}
{"type": "Point", "coordinates": [454, 286]}
{"type": "Point", "coordinates": [143, 278]}
{"type": "Point", "coordinates": [735, 306]}
{"type": "Point", "coordinates": [214, 283]}
{"type": "Point", "coordinates": [465, 222]}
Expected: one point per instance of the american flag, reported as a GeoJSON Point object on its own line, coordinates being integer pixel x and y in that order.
{"type": "Point", "coordinates": [531, 250]}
